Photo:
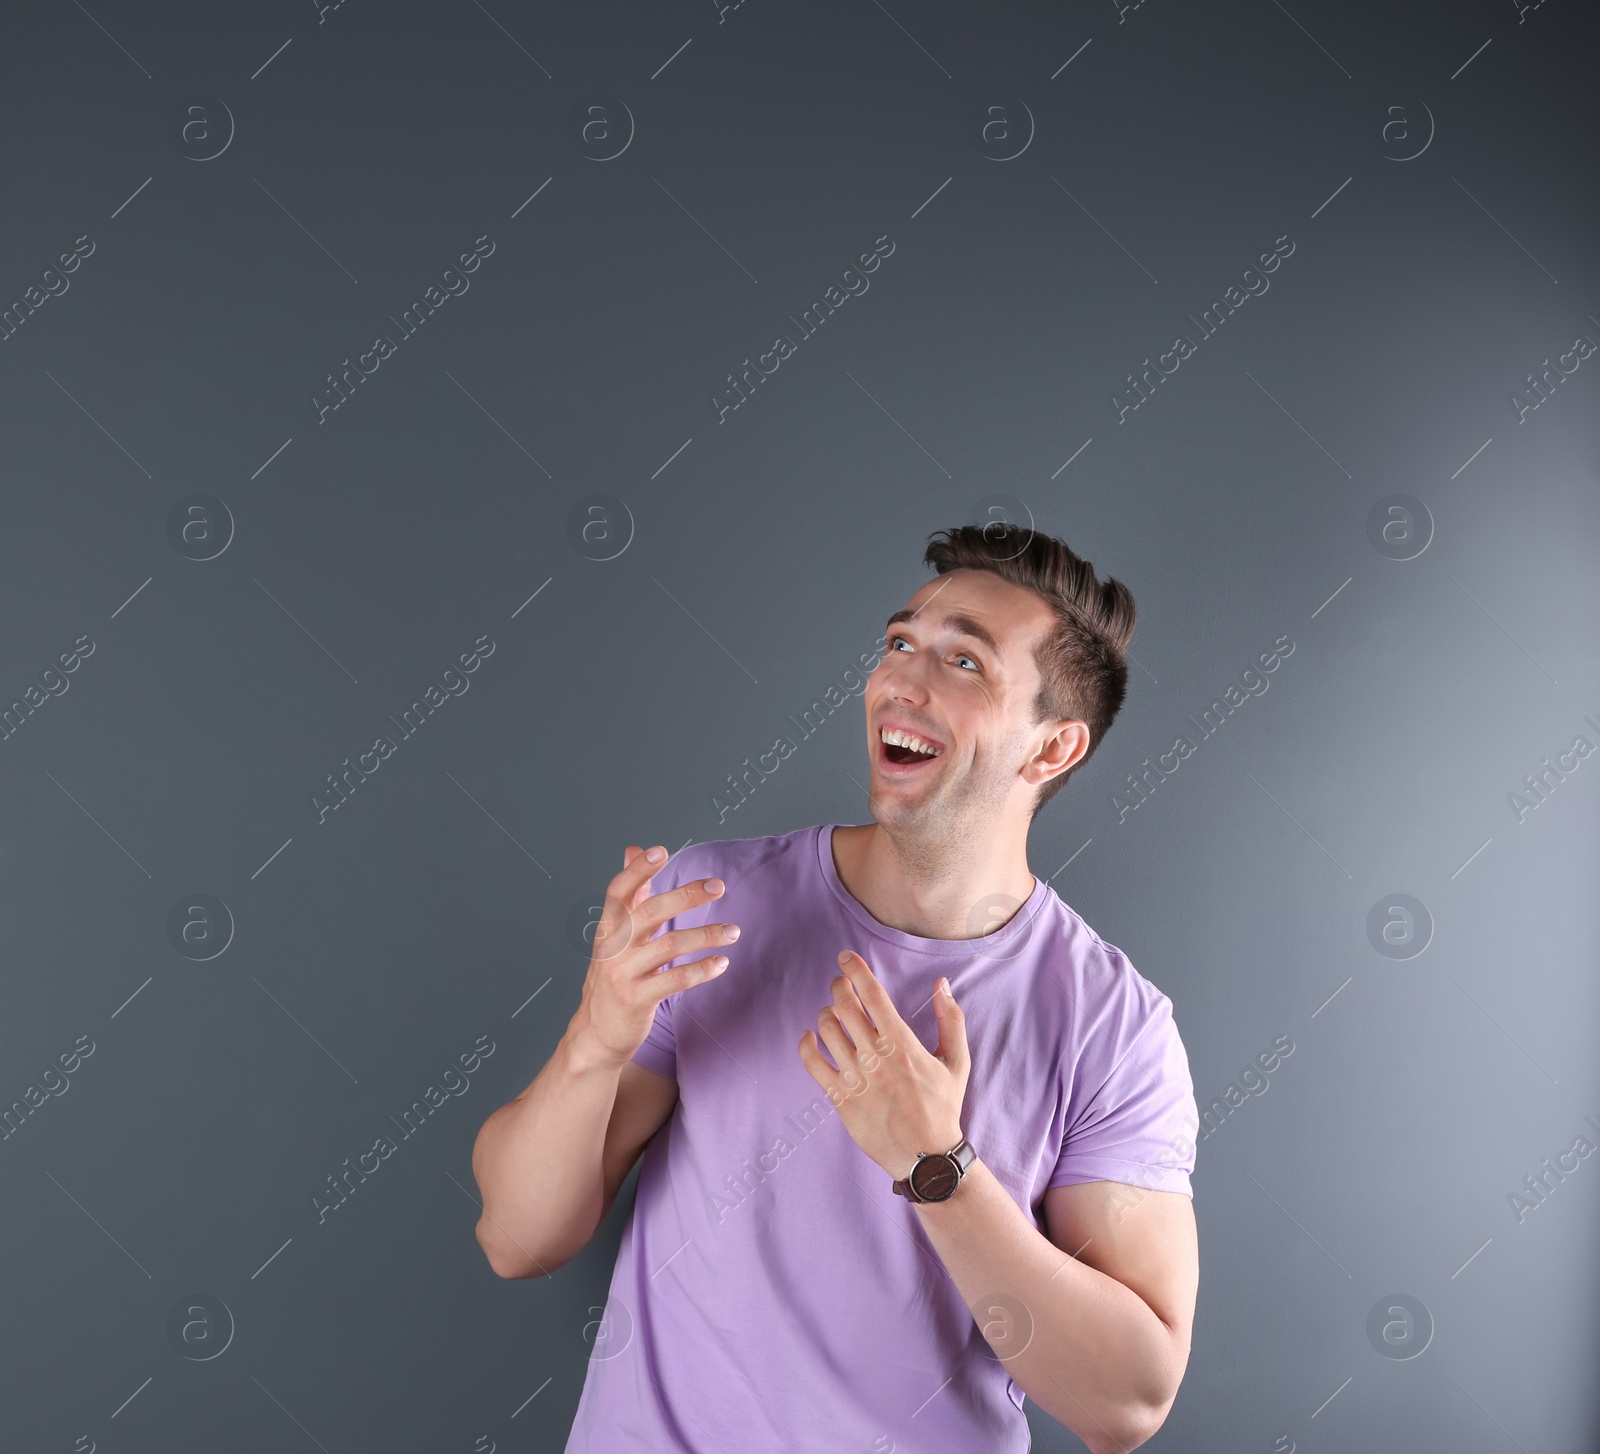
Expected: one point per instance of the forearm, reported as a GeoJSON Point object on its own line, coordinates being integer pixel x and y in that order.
{"type": "Point", "coordinates": [1085, 1348]}
{"type": "Point", "coordinates": [539, 1162]}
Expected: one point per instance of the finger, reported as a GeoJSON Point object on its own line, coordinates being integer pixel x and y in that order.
{"type": "Point", "coordinates": [636, 873]}
{"type": "Point", "coordinates": [831, 1033]}
{"type": "Point", "coordinates": [952, 1048]}
{"type": "Point", "coordinates": [857, 1023]}
{"type": "Point", "coordinates": [656, 910]}
{"type": "Point", "coordinates": [652, 954]}
{"type": "Point", "coordinates": [817, 1066]}
{"type": "Point", "coordinates": [624, 926]}
{"type": "Point", "coordinates": [685, 976]}
{"type": "Point", "coordinates": [873, 996]}
{"type": "Point", "coordinates": [628, 855]}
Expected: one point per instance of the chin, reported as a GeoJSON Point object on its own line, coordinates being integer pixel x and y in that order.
{"type": "Point", "coordinates": [899, 805]}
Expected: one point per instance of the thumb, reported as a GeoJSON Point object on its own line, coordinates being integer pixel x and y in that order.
{"type": "Point", "coordinates": [952, 1028]}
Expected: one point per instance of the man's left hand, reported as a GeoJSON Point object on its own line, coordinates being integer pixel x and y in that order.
{"type": "Point", "coordinates": [894, 1096]}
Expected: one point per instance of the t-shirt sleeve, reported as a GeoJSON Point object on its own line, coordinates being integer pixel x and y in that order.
{"type": "Point", "coordinates": [660, 1049]}
{"type": "Point", "coordinates": [1139, 1127]}
{"type": "Point", "coordinates": [659, 1052]}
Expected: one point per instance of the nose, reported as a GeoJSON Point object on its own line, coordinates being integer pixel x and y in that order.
{"type": "Point", "coordinates": [903, 677]}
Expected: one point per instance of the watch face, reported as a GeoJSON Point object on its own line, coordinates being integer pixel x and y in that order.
{"type": "Point", "coordinates": [934, 1178]}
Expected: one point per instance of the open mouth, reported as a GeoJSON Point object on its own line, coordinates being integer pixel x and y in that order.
{"type": "Point", "coordinates": [906, 748]}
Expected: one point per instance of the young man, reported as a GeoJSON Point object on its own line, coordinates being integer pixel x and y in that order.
{"type": "Point", "coordinates": [927, 1138]}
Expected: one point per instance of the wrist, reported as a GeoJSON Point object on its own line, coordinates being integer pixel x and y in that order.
{"type": "Point", "coordinates": [583, 1051]}
{"type": "Point", "coordinates": [936, 1175]}
{"type": "Point", "coordinates": [941, 1144]}
{"type": "Point", "coordinates": [959, 1198]}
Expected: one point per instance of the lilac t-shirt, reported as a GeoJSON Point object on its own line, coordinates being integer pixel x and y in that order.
{"type": "Point", "coordinates": [771, 1291]}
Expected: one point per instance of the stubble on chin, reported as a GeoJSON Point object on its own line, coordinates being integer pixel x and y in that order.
{"type": "Point", "coordinates": [932, 834]}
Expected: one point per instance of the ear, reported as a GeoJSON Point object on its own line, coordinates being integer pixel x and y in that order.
{"type": "Point", "coordinates": [1063, 747]}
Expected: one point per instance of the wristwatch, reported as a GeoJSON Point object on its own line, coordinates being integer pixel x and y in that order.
{"type": "Point", "coordinates": [937, 1174]}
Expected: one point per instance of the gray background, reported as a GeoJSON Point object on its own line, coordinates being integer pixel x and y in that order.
{"type": "Point", "coordinates": [769, 145]}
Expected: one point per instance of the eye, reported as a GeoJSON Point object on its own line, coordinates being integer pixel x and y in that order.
{"type": "Point", "coordinates": [966, 660]}
{"type": "Point", "coordinates": [898, 641]}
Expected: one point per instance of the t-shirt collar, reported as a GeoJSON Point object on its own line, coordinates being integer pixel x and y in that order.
{"type": "Point", "coordinates": [986, 946]}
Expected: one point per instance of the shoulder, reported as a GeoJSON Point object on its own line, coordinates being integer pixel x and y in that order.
{"type": "Point", "coordinates": [1127, 1060]}
{"type": "Point", "coordinates": [720, 857]}
{"type": "Point", "coordinates": [1108, 991]}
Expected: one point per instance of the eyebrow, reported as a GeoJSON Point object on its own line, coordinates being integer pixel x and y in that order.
{"type": "Point", "coordinates": [964, 625]}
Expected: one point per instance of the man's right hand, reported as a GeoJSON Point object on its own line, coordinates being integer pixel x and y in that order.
{"type": "Point", "coordinates": [624, 983]}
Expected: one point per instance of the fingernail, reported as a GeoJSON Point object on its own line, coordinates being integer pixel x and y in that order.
{"type": "Point", "coordinates": [714, 886]}
{"type": "Point", "coordinates": [730, 931]}
{"type": "Point", "coordinates": [844, 956]}
{"type": "Point", "coordinates": [719, 964]}
{"type": "Point", "coordinates": [655, 855]}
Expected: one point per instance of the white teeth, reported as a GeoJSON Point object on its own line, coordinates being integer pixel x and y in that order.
{"type": "Point", "coordinates": [894, 737]}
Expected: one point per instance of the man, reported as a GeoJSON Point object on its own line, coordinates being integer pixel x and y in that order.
{"type": "Point", "coordinates": [925, 1139]}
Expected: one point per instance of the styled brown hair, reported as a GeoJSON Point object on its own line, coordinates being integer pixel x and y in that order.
{"type": "Point", "coordinates": [1083, 662]}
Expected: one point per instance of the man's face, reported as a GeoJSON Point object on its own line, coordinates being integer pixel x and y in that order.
{"type": "Point", "coordinates": [958, 676]}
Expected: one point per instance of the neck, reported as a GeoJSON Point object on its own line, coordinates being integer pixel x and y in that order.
{"type": "Point", "coordinates": [952, 888]}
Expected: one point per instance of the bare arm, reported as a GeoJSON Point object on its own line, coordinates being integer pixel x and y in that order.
{"type": "Point", "coordinates": [1092, 1320]}
{"type": "Point", "coordinates": [1098, 1338]}
{"type": "Point", "coordinates": [550, 1162]}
